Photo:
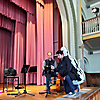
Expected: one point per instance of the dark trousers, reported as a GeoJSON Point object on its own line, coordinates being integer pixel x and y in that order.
{"type": "Point", "coordinates": [68, 85]}
{"type": "Point", "coordinates": [48, 79]}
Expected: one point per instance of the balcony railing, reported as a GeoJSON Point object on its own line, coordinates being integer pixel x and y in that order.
{"type": "Point", "coordinates": [91, 25]}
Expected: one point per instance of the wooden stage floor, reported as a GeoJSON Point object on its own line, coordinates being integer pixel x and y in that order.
{"type": "Point", "coordinates": [36, 89]}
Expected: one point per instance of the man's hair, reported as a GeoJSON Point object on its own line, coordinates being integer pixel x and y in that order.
{"type": "Point", "coordinates": [59, 52]}
{"type": "Point", "coordinates": [49, 52]}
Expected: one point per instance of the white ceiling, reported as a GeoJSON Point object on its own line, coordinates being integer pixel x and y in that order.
{"type": "Point", "coordinates": [90, 2]}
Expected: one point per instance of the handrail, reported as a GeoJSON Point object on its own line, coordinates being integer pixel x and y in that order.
{"type": "Point", "coordinates": [91, 19]}
{"type": "Point", "coordinates": [91, 25]}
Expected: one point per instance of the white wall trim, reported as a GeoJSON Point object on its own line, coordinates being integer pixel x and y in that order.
{"type": "Point", "coordinates": [96, 52]}
{"type": "Point", "coordinates": [64, 20]}
{"type": "Point", "coordinates": [71, 27]}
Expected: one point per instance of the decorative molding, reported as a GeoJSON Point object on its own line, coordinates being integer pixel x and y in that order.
{"type": "Point", "coordinates": [71, 27]}
{"type": "Point", "coordinates": [65, 23]}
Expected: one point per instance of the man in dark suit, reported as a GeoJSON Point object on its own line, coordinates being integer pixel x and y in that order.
{"type": "Point", "coordinates": [68, 72]}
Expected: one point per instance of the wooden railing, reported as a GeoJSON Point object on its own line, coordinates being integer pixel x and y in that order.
{"type": "Point", "coordinates": [94, 96]}
{"type": "Point", "coordinates": [91, 25]}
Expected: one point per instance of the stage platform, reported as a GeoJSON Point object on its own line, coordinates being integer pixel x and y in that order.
{"type": "Point", "coordinates": [86, 93]}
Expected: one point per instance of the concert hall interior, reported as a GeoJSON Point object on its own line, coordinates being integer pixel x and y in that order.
{"type": "Point", "coordinates": [29, 29]}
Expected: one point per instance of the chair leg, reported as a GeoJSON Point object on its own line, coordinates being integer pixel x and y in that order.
{"type": "Point", "coordinates": [12, 83]}
{"type": "Point", "coordinates": [7, 84]}
{"type": "Point", "coordinates": [18, 81]}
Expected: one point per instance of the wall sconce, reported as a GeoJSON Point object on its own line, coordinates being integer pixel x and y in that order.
{"type": "Point", "coordinates": [95, 10]}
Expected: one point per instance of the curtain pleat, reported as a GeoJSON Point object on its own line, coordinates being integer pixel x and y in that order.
{"type": "Point", "coordinates": [10, 10]}
{"type": "Point", "coordinates": [44, 26]}
{"type": "Point", "coordinates": [48, 26]}
{"type": "Point", "coordinates": [39, 11]}
{"type": "Point", "coordinates": [19, 49]}
{"type": "Point", "coordinates": [5, 48]}
{"type": "Point", "coordinates": [27, 5]}
{"type": "Point", "coordinates": [1, 6]}
{"type": "Point", "coordinates": [31, 46]}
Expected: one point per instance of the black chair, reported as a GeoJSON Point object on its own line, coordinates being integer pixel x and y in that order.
{"type": "Point", "coordinates": [10, 73]}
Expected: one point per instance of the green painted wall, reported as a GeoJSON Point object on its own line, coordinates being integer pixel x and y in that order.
{"type": "Point", "coordinates": [93, 64]}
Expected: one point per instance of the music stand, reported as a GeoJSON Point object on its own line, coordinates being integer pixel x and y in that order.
{"type": "Point", "coordinates": [47, 72]}
{"type": "Point", "coordinates": [24, 70]}
{"type": "Point", "coordinates": [33, 69]}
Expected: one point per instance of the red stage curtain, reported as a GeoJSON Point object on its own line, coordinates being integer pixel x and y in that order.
{"type": "Point", "coordinates": [27, 5]}
{"type": "Point", "coordinates": [9, 14]}
{"type": "Point", "coordinates": [7, 23]}
{"type": "Point", "coordinates": [44, 34]}
{"type": "Point", "coordinates": [57, 31]}
{"type": "Point", "coordinates": [38, 41]}
{"type": "Point", "coordinates": [1, 6]}
{"type": "Point", "coordinates": [48, 27]}
{"type": "Point", "coordinates": [12, 11]}
{"type": "Point", "coordinates": [31, 46]}
{"type": "Point", "coordinates": [0, 20]}
{"type": "Point", "coordinates": [55, 39]}
{"type": "Point", "coordinates": [12, 51]}
{"type": "Point", "coordinates": [6, 30]}
{"type": "Point", "coordinates": [5, 48]}
{"type": "Point", "coordinates": [19, 49]}
{"type": "Point", "coordinates": [40, 45]}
